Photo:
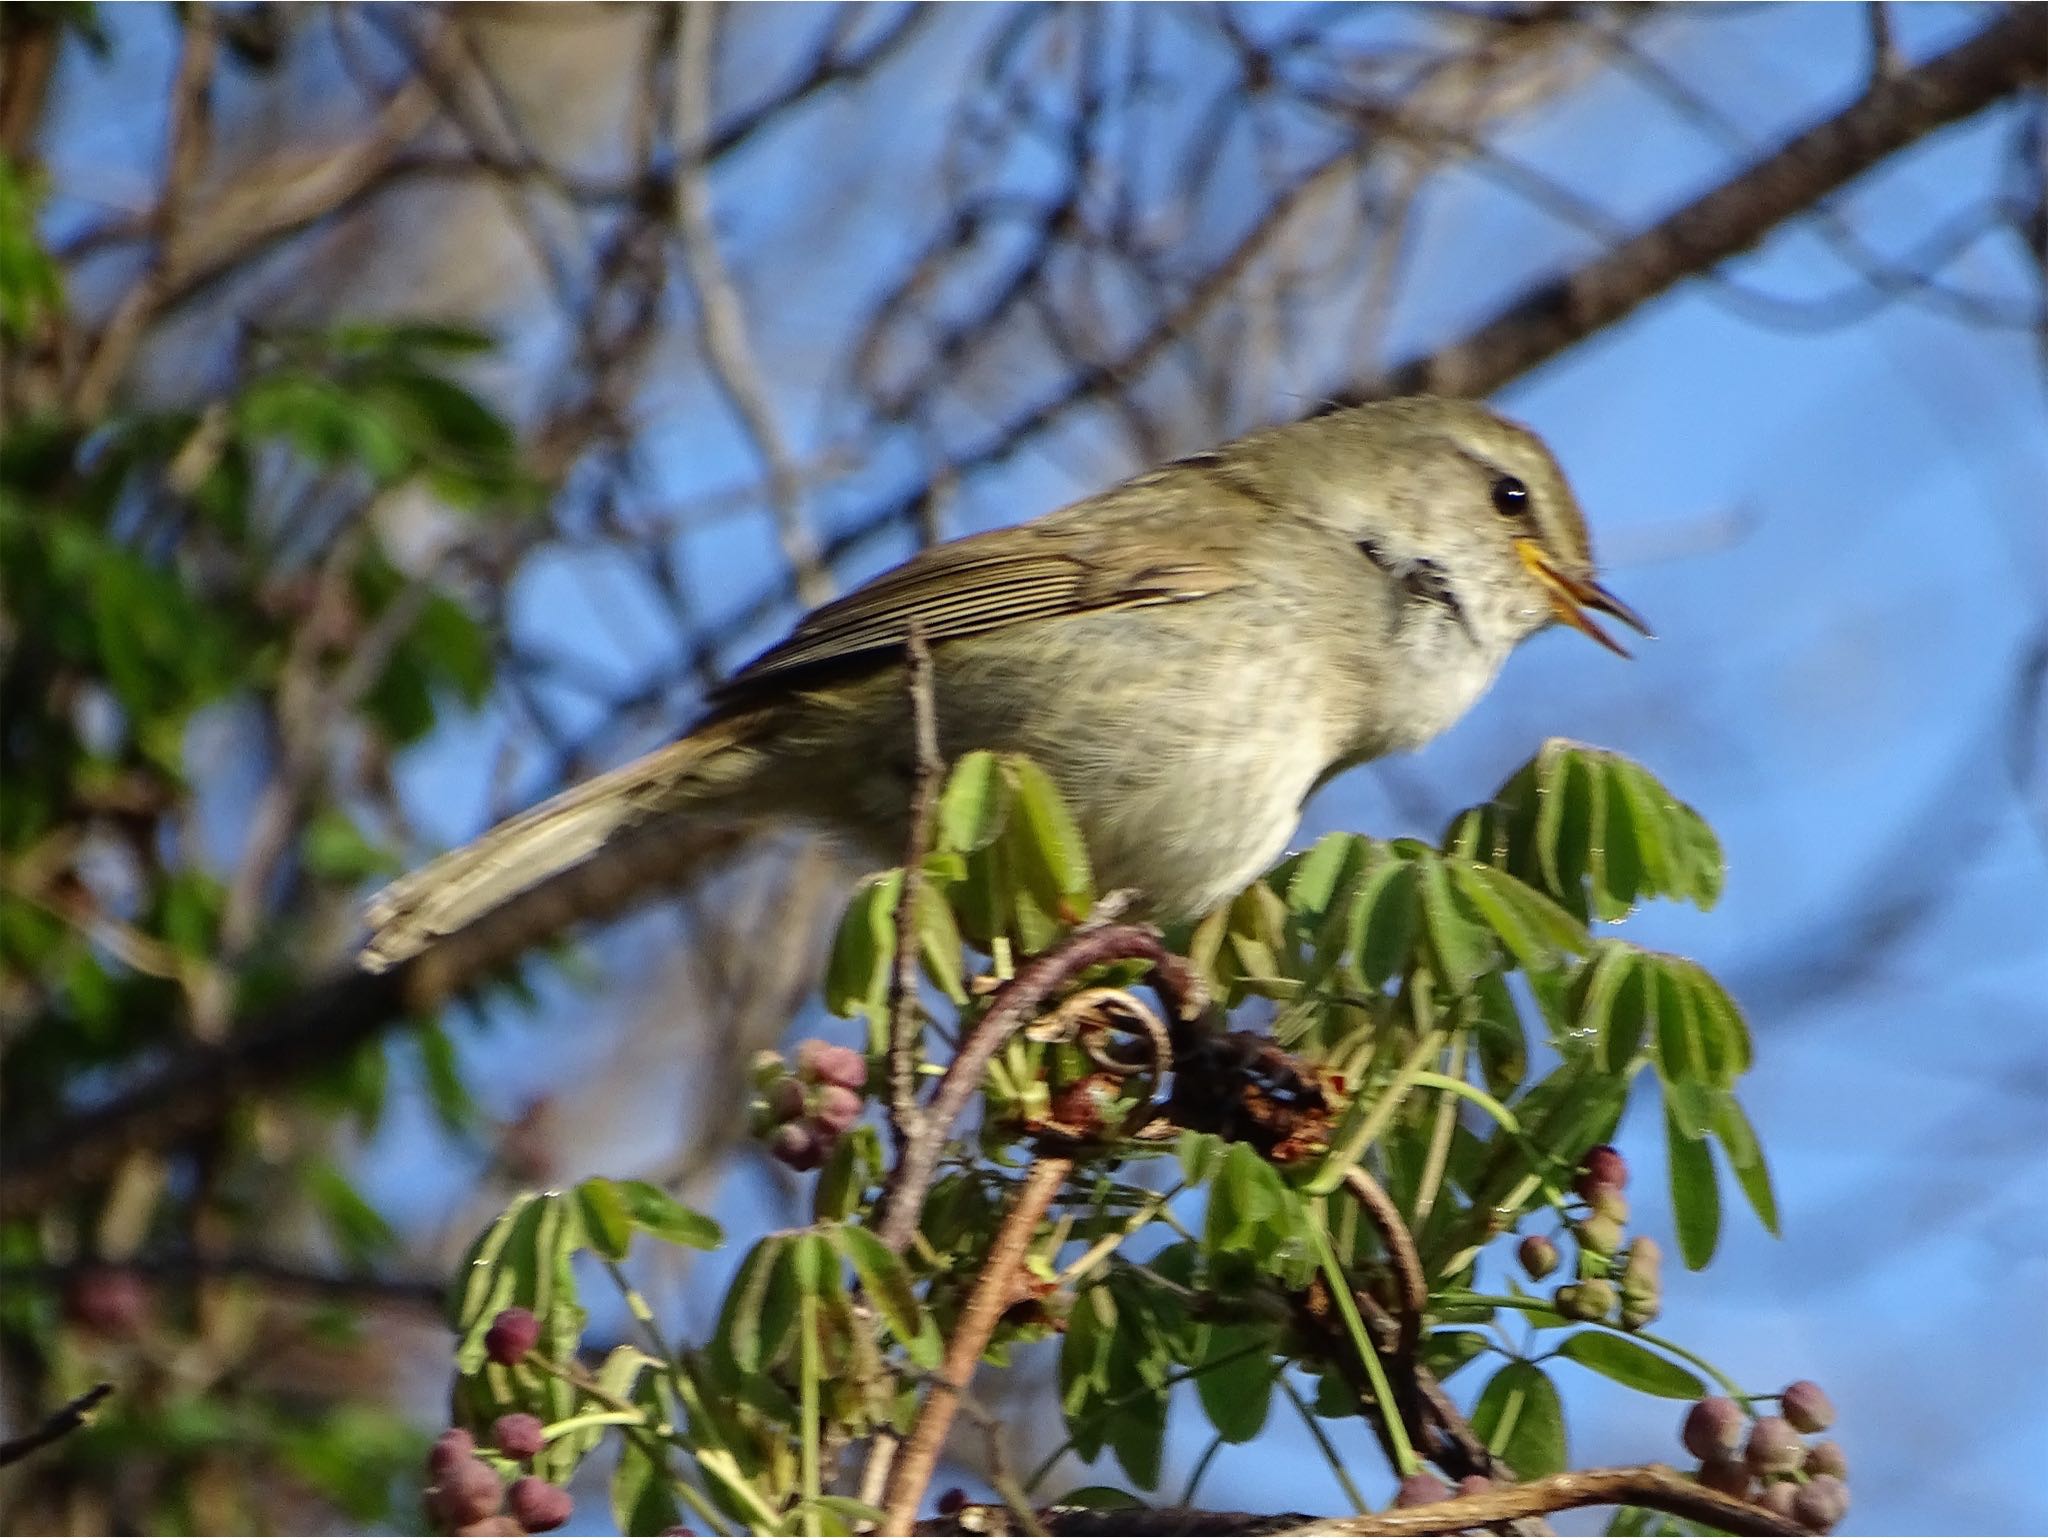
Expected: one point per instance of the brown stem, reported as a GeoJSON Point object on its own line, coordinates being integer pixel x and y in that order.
{"type": "Point", "coordinates": [994, 1291]}
{"type": "Point", "coordinates": [926, 767]}
{"type": "Point", "coordinates": [57, 1426]}
{"type": "Point", "coordinates": [1401, 1255]}
{"type": "Point", "coordinates": [1651, 1485]}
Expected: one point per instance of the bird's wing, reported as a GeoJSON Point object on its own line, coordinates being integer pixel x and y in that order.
{"type": "Point", "coordinates": [984, 582]}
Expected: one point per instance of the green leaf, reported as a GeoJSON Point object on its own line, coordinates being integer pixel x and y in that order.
{"type": "Point", "coordinates": [606, 1221]}
{"type": "Point", "coordinates": [1383, 921]}
{"type": "Point", "coordinates": [1519, 1417]}
{"type": "Point", "coordinates": [1443, 1352]}
{"type": "Point", "coordinates": [938, 938]}
{"type": "Point", "coordinates": [864, 949]}
{"type": "Point", "coordinates": [1460, 949]}
{"type": "Point", "coordinates": [1680, 1055]}
{"type": "Point", "coordinates": [1746, 1158]}
{"type": "Point", "coordinates": [975, 804]}
{"type": "Point", "coordinates": [1632, 1364]}
{"type": "Point", "coordinates": [652, 1210]}
{"type": "Point", "coordinates": [1601, 1015]}
{"type": "Point", "coordinates": [642, 1498]}
{"type": "Point", "coordinates": [1247, 1191]}
{"type": "Point", "coordinates": [1052, 859]}
{"type": "Point", "coordinates": [1695, 1192]}
{"type": "Point", "coordinates": [743, 1326]}
{"type": "Point", "coordinates": [1537, 932]}
{"type": "Point", "coordinates": [335, 849]}
{"type": "Point", "coordinates": [882, 1273]}
{"type": "Point", "coordinates": [1236, 1371]}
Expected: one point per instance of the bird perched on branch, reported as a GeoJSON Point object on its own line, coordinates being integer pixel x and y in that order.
{"type": "Point", "coordinates": [1189, 655]}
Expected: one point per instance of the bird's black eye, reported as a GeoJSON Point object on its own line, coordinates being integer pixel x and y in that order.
{"type": "Point", "coordinates": [1510, 497]}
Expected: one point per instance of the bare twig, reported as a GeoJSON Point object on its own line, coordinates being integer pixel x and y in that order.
{"type": "Point", "coordinates": [721, 314]}
{"type": "Point", "coordinates": [1897, 111]}
{"type": "Point", "coordinates": [58, 1426]}
{"type": "Point", "coordinates": [926, 767]}
{"type": "Point", "coordinates": [995, 1289]}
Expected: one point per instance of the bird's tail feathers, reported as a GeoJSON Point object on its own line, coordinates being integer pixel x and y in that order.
{"type": "Point", "coordinates": [520, 853]}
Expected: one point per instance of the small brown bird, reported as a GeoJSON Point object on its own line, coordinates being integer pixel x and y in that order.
{"type": "Point", "coordinates": [1189, 655]}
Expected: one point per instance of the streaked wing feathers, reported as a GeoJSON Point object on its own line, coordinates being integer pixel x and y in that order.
{"type": "Point", "coordinates": [981, 583]}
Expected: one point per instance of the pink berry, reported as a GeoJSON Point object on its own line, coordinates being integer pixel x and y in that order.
{"type": "Point", "coordinates": [821, 1062]}
{"type": "Point", "coordinates": [1713, 1428]}
{"type": "Point", "coordinates": [1475, 1484]}
{"type": "Point", "coordinates": [512, 1334]}
{"type": "Point", "coordinates": [1778, 1498]}
{"type": "Point", "coordinates": [835, 1108]}
{"type": "Point", "coordinates": [1826, 1458]}
{"type": "Point", "coordinates": [1821, 1502]}
{"type": "Point", "coordinates": [1537, 1255]}
{"type": "Point", "coordinates": [798, 1145]}
{"type": "Point", "coordinates": [519, 1435]}
{"type": "Point", "coordinates": [1421, 1488]}
{"type": "Point", "coordinates": [1806, 1406]}
{"type": "Point", "coordinates": [449, 1449]}
{"type": "Point", "coordinates": [1730, 1476]}
{"type": "Point", "coordinates": [1774, 1447]}
{"type": "Point", "coordinates": [467, 1492]}
{"type": "Point", "coordinates": [1602, 1166]}
{"type": "Point", "coordinates": [539, 1506]}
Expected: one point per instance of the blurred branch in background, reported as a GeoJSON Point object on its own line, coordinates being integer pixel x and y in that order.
{"type": "Point", "coordinates": [407, 409]}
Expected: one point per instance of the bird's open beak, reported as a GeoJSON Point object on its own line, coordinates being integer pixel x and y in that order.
{"type": "Point", "coordinates": [1572, 596]}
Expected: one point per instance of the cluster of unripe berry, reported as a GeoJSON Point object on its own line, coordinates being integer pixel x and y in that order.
{"type": "Point", "coordinates": [467, 1492]}
{"type": "Point", "coordinates": [803, 1113]}
{"type": "Point", "coordinates": [1768, 1460]}
{"type": "Point", "coordinates": [1607, 1278]}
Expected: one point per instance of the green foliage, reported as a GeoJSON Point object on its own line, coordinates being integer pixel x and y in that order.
{"type": "Point", "coordinates": [174, 578]}
{"type": "Point", "coordinates": [1484, 1029]}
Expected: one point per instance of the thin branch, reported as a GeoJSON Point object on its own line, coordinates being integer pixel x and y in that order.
{"type": "Point", "coordinates": [58, 1426]}
{"type": "Point", "coordinates": [1897, 111]}
{"type": "Point", "coordinates": [277, 1276]}
{"type": "Point", "coordinates": [995, 1289]}
{"type": "Point", "coordinates": [721, 314]}
{"type": "Point", "coordinates": [1401, 1254]}
{"type": "Point", "coordinates": [905, 1034]}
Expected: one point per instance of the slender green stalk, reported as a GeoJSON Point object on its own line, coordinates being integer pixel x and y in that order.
{"type": "Point", "coordinates": [1362, 1137]}
{"type": "Point", "coordinates": [1330, 1454]}
{"type": "Point", "coordinates": [1108, 1244]}
{"type": "Point", "coordinates": [1187, 1496]}
{"type": "Point", "coordinates": [1405, 1461]}
{"type": "Point", "coordinates": [1536, 1305]}
{"type": "Point", "coordinates": [1440, 1134]}
{"type": "Point", "coordinates": [811, 1372]}
{"type": "Point", "coordinates": [1472, 1092]}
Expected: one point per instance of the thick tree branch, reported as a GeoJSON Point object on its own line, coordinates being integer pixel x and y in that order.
{"type": "Point", "coordinates": [1649, 1485]}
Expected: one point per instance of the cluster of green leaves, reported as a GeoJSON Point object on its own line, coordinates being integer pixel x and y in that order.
{"type": "Point", "coordinates": [171, 576]}
{"type": "Point", "coordinates": [1481, 1033]}
{"type": "Point", "coordinates": [800, 1343]}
